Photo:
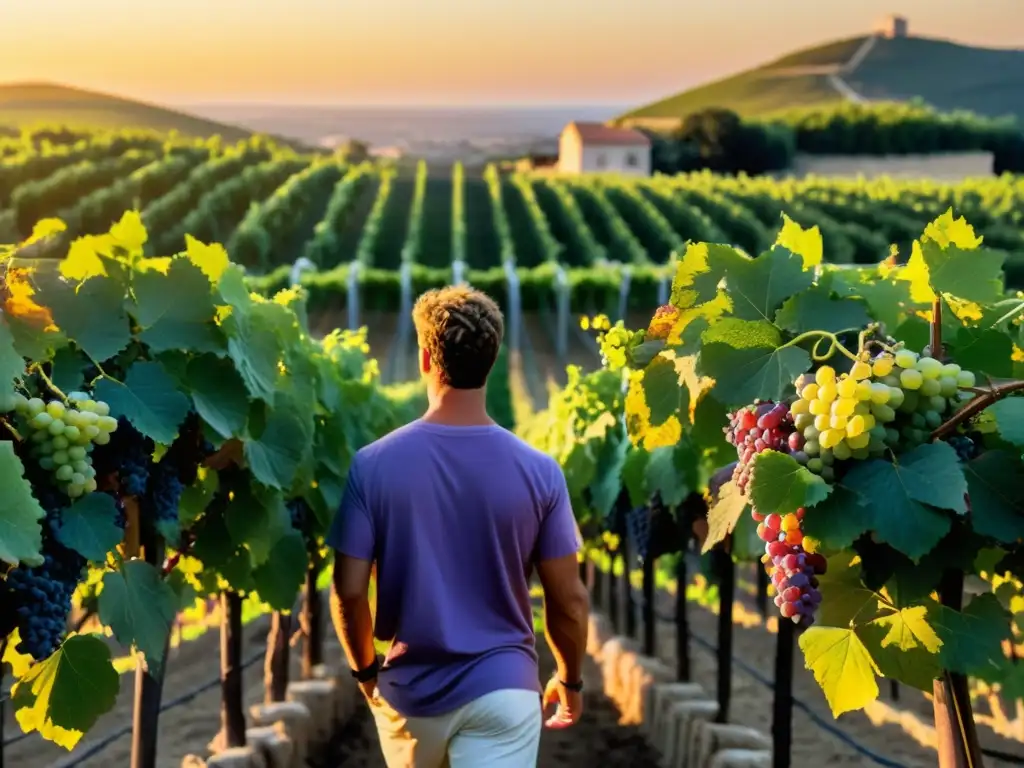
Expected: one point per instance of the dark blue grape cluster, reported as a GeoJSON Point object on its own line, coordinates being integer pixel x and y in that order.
{"type": "Point", "coordinates": [163, 493]}
{"type": "Point", "coordinates": [965, 447]}
{"type": "Point", "coordinates": [638, 529]}
{"type": "Point", "coordinates": [299, 511]}
{"type": "Point", "coordinates": [40, 597]}
{"type": "Point", "coordinates": [129, 454]}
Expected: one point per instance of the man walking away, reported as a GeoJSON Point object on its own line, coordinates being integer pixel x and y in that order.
{"type": "Point", "coordinates": [455, 513]}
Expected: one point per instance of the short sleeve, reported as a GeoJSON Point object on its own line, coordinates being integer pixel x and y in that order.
{"type": "Point", "coordinates": [352, 531]}
{"type": "Point", "coordinates": [559, 535]}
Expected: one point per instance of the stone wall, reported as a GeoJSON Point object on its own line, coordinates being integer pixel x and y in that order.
{"type": "Point", "coordinates": [949, 166]}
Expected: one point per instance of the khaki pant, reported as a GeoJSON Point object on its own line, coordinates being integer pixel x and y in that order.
{"type": "Point", "coordinates": [499, 730]}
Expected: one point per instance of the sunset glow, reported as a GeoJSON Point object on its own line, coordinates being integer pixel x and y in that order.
{"type": "Point", "coordinates": [442, 51]}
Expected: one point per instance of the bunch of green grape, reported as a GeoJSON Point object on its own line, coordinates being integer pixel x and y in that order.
{"type": "Point", "coordinates": [63, 434]}
{"type": "Point", "coordinates": [889, 400]}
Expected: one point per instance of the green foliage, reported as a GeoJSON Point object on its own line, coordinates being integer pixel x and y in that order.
{"type": "Point", "coordinates": [168, 337]}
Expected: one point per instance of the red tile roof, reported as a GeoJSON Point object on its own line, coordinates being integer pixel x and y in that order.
{"type": "Point", "coordinates": [600, 134]}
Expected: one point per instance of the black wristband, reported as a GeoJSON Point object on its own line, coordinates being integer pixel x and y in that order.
{"type": "Point", "coordinates": [574, 687]}
{"type": "Point", "coordinates": [366, 675]}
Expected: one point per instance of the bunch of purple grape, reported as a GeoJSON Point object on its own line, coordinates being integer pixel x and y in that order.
{"type": "Point", "coordinates": [763, 426]}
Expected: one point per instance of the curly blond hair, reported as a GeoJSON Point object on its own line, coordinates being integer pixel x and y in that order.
{"type": "Point", "coordinates": [462, 330]}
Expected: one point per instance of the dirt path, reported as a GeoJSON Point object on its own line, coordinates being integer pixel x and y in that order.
{"type": "Point", "coordinates": [597, 739]}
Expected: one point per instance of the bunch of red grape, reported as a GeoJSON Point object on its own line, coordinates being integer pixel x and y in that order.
{"type": "Point", "coordinates": [768, 426]}
{"type": "Point", "coordinates": [793, 571]}
{"type": "Point", "coordinates": [764, 426]}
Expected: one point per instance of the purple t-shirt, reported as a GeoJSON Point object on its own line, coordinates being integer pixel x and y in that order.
{"type": "Point", "coordinates": [455, 518]}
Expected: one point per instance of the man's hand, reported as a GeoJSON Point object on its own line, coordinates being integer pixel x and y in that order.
{"type": "Point", "coordinates": [570, 705]}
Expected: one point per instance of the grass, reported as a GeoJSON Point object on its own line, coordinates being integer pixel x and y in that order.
{"type": "Point", "coordinates": [28, 104]}
{"type": "Point", "coordinates": [947, 75]}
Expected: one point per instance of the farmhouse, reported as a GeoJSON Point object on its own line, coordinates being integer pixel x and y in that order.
{"type": "Point", "coordinates": [599, 148]}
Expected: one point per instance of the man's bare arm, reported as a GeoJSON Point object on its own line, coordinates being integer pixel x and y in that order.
{"type": "Point", "coordinates": [350, 609]}
{"type": "Point", "coordinates": [566, 614]}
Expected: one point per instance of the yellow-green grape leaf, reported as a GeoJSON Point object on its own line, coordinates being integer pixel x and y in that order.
{"type": "Point", "coordinates": [816, 310]}
{"type": "Point", "coordinates": [806, 243]}
{"type": "Point", "coordinates": [212, 259]}
{"type": "Point", "coordinates": [664, 395]}
{"type": "Point", "coordinates": [782, 485]}
{"type": "Point", "coordinates": [130, 233]}
{"type": "Point", "coordinates": [63, 696]}
{"type": "Point", "coordinates": [20, 531]}
{"type": "Point", "coordinates": [842, 667]}
{"type": "Point", "coordinates": [724, 514]}
{"type": "Point", "coordinates": [905, 646]}
{"type": "Point", "coordinates": [92, 314]}
{"type": "Point", "coordinates": [838, 521]}
{"type": "Point", "coordinates": [139, 607]}
{"type": "Point", "coordinates": [972, 638]}
{"type": "Point", "coordinates": [758, 287]}
{"type": "Point", "coordinates": [12, 366]}
{"type": "Point", "coordinates": [845, 601]}
{"type": "Point", "coordinates": [957, 266]}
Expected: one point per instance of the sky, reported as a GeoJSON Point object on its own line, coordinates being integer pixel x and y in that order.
{"type": "Point", "coordinates": [441, 52]}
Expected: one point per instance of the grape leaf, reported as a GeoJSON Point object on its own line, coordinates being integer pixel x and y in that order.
{"type": "Point", "coordinates": [781, 485]}
{"type": "Point", "coordinates": [278, 580]}
{"type": "Point", "coordinates": [838, 521]}
{"type": "Point", "coordinates": [20, 531]}
{"type": "Point", "coordinates": [219, 394]}
{"type": "Point", "coordinates": [257, 522]}
{"type": "Point", "coordinates": [256, 349]}
{"type": "Point", "coordinates": [176, 310]}
{"type": "Point", "coordinates": [972, 638]}
{"type": "Point", "coordinates": [607, 484]}
{"type": "Point", "coordinates": [975, 275]}
{"type": "Point", "coordinates": [699, 272]}
{"type": "Point", "coordinates": [984, 351]}
{"type": "Point", "coordinates": [12, 366]}
{"type": "Point", "coordinates": [845, 601]}
{"type": "Point", "coordinates": [662, 391]}
{"type": "Point", "coordinates": [1009, 415]}
{"type": "Point", "coordinates": [816, 310]}
{"type": "Point", "coordinates": [148, 399]}
{"type": "Point", "coordinates": [994, 480]}
{"type": "Point", "coordinates": [708, 417]}
{"type": "Point", "coordinates": [93, 314]}
{"type": "Point", "coordinates": [89, 527]}
{"type": "Point", "coordinates": [896, 495]}
{"type": "Point", "coordinates": [804, 242]}
{"type": "Point", "coordinates": [634, 476]}
{"type": "Point", "coordinates": [276, 455]}
{"type": "Point", "coordinates": [671, 472]}
{"type": "Point", "coordinates": [746, 362]}
{"type": "Point", "coordinates": [724, 514]}
{"type": "Point", "coordinates": [842, 667]}
{"type": "Point", "coordinates": [139, 607]}
{"type": "Point", "coordinates": [67, 369]}
{"type": "Point", "coordinates": [211, 259]}
{"type": "Point", "coordinates": [758, 286]}
{"type": "Point", "coordinates": [63, 696]}
{"type": "Point", "coordinates": [904, 646]}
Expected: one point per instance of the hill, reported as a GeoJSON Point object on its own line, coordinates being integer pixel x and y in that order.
{"type": "Point", "coordinates": [30, 103]}
{"type": "Point", "coordinates": [947, 75]}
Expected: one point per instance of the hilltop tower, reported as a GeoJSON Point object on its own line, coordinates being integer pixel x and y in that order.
{"type": "Point", "coordinates": [892, 26]}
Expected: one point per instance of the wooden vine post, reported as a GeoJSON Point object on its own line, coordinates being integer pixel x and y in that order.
{"type": "Point", "coordinates": [627, 588]}
{"type": "Point", "coordinates": [149, 681]}
{"type": "Point", "coordinates": [782, 703]}
{"type": "Point", "coordinates": [275, 668]}
{"type": "Point", "coordinates": [612, 589]}
{"type": "Point", "coordinates": [232, 712]}
{"type": "Point", "coordinates": [725, 569]}
{"type": "Point", "coordinates": [312, 617]}
{"type": "Point", "coordinates": [958, 745]}
{"type": "Point", "coordinates": [649, 620]}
